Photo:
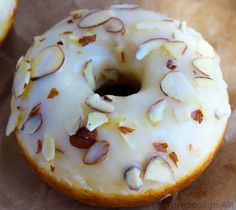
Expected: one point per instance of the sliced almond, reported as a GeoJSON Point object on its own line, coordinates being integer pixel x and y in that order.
{"type": "Point", "coordinates": [96, 153]}
{"type": "Point", "coordinates": [197, 115]}
{"type": "Point", "coordinates": [39, 147]}
{"type": "Point", "coordinates": [124, 6]}
{"type": "Point", "coordinates": [133, 178]}
{"type": "Point", "coordinates": [156, 111]}
{"type": "Point", "coordinates": [203, 82]}
{"type": "Point", "coordinates": [87, 39]}
{"type": "Point", "coordinates": [13, 122]}
{"type": "Point", "coordinates": [83, 139]}
{"type": "Point", "coordinates": [126, 130]}
{"type": "Point", "coordinates": [160, 147]}
{"type": "Point", "coordinates": [204, 65]}
{"type": "Point", "coordinates": [53, 93]}
{"type": "Point", "coordinates": [95, 120]}
{"type": "Point", "coordinates": [174, 158]}
{"type": "Point", "coordinates": [47, 62]}
{"type": "Point", "coordinates": [97, 103]}
{"type": "Point", "coordinates": [111, 74]}
{"type": "Point", "coordinates": [175, 85]}
{"type": "Point", "coordinates": [159, 170]}
{"type": "Point", "coordinates": [73, 125]}
{"type": "Point", "coordinates": [33, 122]}
{"type": "Point", "coordinates": [22, 77]}
{"type": "Point", "coordinates": [175, 49]}
{"type": "Point", "coordinates": [205, 49]}
{"type": "Point", "coordinates": [95, 18]}
{"type": "Point", "coordinates": [48, 148]}
{"type": "Point", "coordinates": [146, 47]}
{"type": "Point", "coordinates": [89, 75]}
{"type": "Point", "coordinates": [172, 64]}
{"type": "Point", "coordinates": [114, 25]}
{"type": "Point", "coordinates": [182, 113]}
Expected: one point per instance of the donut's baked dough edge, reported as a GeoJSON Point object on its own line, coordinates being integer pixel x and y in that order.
{"type": "Point", "coordinates": [117, 200]}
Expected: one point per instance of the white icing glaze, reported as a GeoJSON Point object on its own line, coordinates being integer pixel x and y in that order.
{"type": "Point", "coordinates": [6, 12]}
{"type": "Point", "coordinates": [135, 148]}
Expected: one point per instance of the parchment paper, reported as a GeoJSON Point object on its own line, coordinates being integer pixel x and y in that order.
{"type": "Point", "coordinates": [21, 189]}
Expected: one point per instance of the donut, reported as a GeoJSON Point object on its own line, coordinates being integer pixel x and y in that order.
{"type": "Point", "coordinates": [119, 106]}
{"type": "Point", "coordinates": [7, 16]}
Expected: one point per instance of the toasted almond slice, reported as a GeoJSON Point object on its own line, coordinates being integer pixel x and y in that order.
{"type": "Point", "coordinates": [73, 125]}
{"type": "Point", "coordinates": [126, 130]}
{"type": "Point", "coordinates": [48, 149]}
{"type": "Point", "coordinates": [97, 103]}
{"type": "Point", "coordinates": [146, 47]}
{"type": "Point", "coordinates": [205, 49]}
{"type": "Point", "coordinates": [22, 77]}
{"type": "Point", "coordinates": [204, 65]}
{"type": "Point", "coordinates": [156, 111]}
{"type": "Point", "coordinates": [95, 120]}
{"type": "Point", "coordinates": [175, 85]}
{"type": "Point", "coordinates": [83, 139]}
{"type": "Point", "coordinates": [111, 74]}
{"type": "Point", "coordinates": [76, 14]}
{"type": "Point", "coordinates": [172, 64]}
{"type": "Point", "coordinates": [159, 170]}
{"type": "Point", "coordinates": [133, 178]}
{"type": "Point", "coordinates": [33, 122]}
{"type": "Point", "coordinates": [197, 115]}
{"type": "Point", "coordinates": [182, 113]}
{"type": "Point", "coordinates": [160, 147]}
{"type": "Point", "coordinates": [13, 122]}
{"type": "Point", "coordinates": [114, 25]}
{"type": "Point", "coordinates": [53, 93]}
{"type": "Point", "coordinates": [124, 6]}
{"type": "Point", "coordinates": [175, 49]}
{"type": "Point", "coordinates": [89, 75]}
{"type": "Point", "coordinates": [87, 39]}
{"type": "Point", "coordinates": [95, 18]}
{"type": "Point", "coordinates": [203, 82]}
{"type": "Point", "coordinates": [174, 158]}
{"type": "Point", "coordinates": [96, 153]}
{"type": "Point", "coordinates": [47, 62]}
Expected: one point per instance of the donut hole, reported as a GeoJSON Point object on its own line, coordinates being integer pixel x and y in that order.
{"type": "Point", "coordinates": [124, 86]}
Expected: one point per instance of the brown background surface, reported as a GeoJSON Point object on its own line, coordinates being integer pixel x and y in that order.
{"type": "Point", "coordinates": [21, 189]}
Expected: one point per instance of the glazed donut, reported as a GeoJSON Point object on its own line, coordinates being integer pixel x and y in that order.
{"type": "Point", "coordinates": [119, 106]}
{"type": "Point", "coordinates": [7, 16]}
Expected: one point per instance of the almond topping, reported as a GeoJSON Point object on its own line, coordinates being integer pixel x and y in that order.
{"type": "Point", "coordinates": [96, 153]}
{"type": "Point", "coordinates": [13, 122]}
{"type": "Point", "coordinates": [22, 77]}
{"type": "Point", "coordinates": [39, 146]}
{"type": "Point", "coordinates": [73, 125]}
{"type": "Point", "coordinates": [203, 82]}
{"type": "Point", "coordinates": [48, 148]}
{"type": "Point", "coordinates": [114, 25]}
{"type": "Point", "coordinates": [146, 47]}
{"type": "Point", "coordinates": [97, 103]}
{"type": "Point", "coordinates": [175, 49]}
{"type": "Point", "coordinates": [126, 130]}
{"type": "Point", "coordinates": [132, 177]}
{"type": "Point", "coordinates": [205, 49]}
{"type": "Point", "coordinates": [33, 122]}
{"type": "Point", "coordinates": [204, 65]}
{"type": "Point", "coordinates": [160, 147]}
{"type": "Point", "coordinates": [197, 115]}
{"type": "Point", "coordinates": [159, 170]}
{"type": "Point", "coordinates": [174, 158]}
{"type": "Point", "coordinates": [85, 40]}
{"type": "Point", "coordinates": [47, 62]}
{"type": "Point", "coordinates": [156, 111]}
{"type": "Point", "coordinates": [94, 19]}
{"type": "Point", "coordinates": [53, 93]}
{"type": "Point", "coordinates": [95, 120]}
{"type": "Point", "coordinates": [175, 85]}
{"type": "Point", "coordinates": [171, 64]}
{"type": "Point", "coordinates": [83, 139]}
{"type": "Point", "coordinates": [89, 75]}
{"type": "Point", "coordinates": [106, 98]}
